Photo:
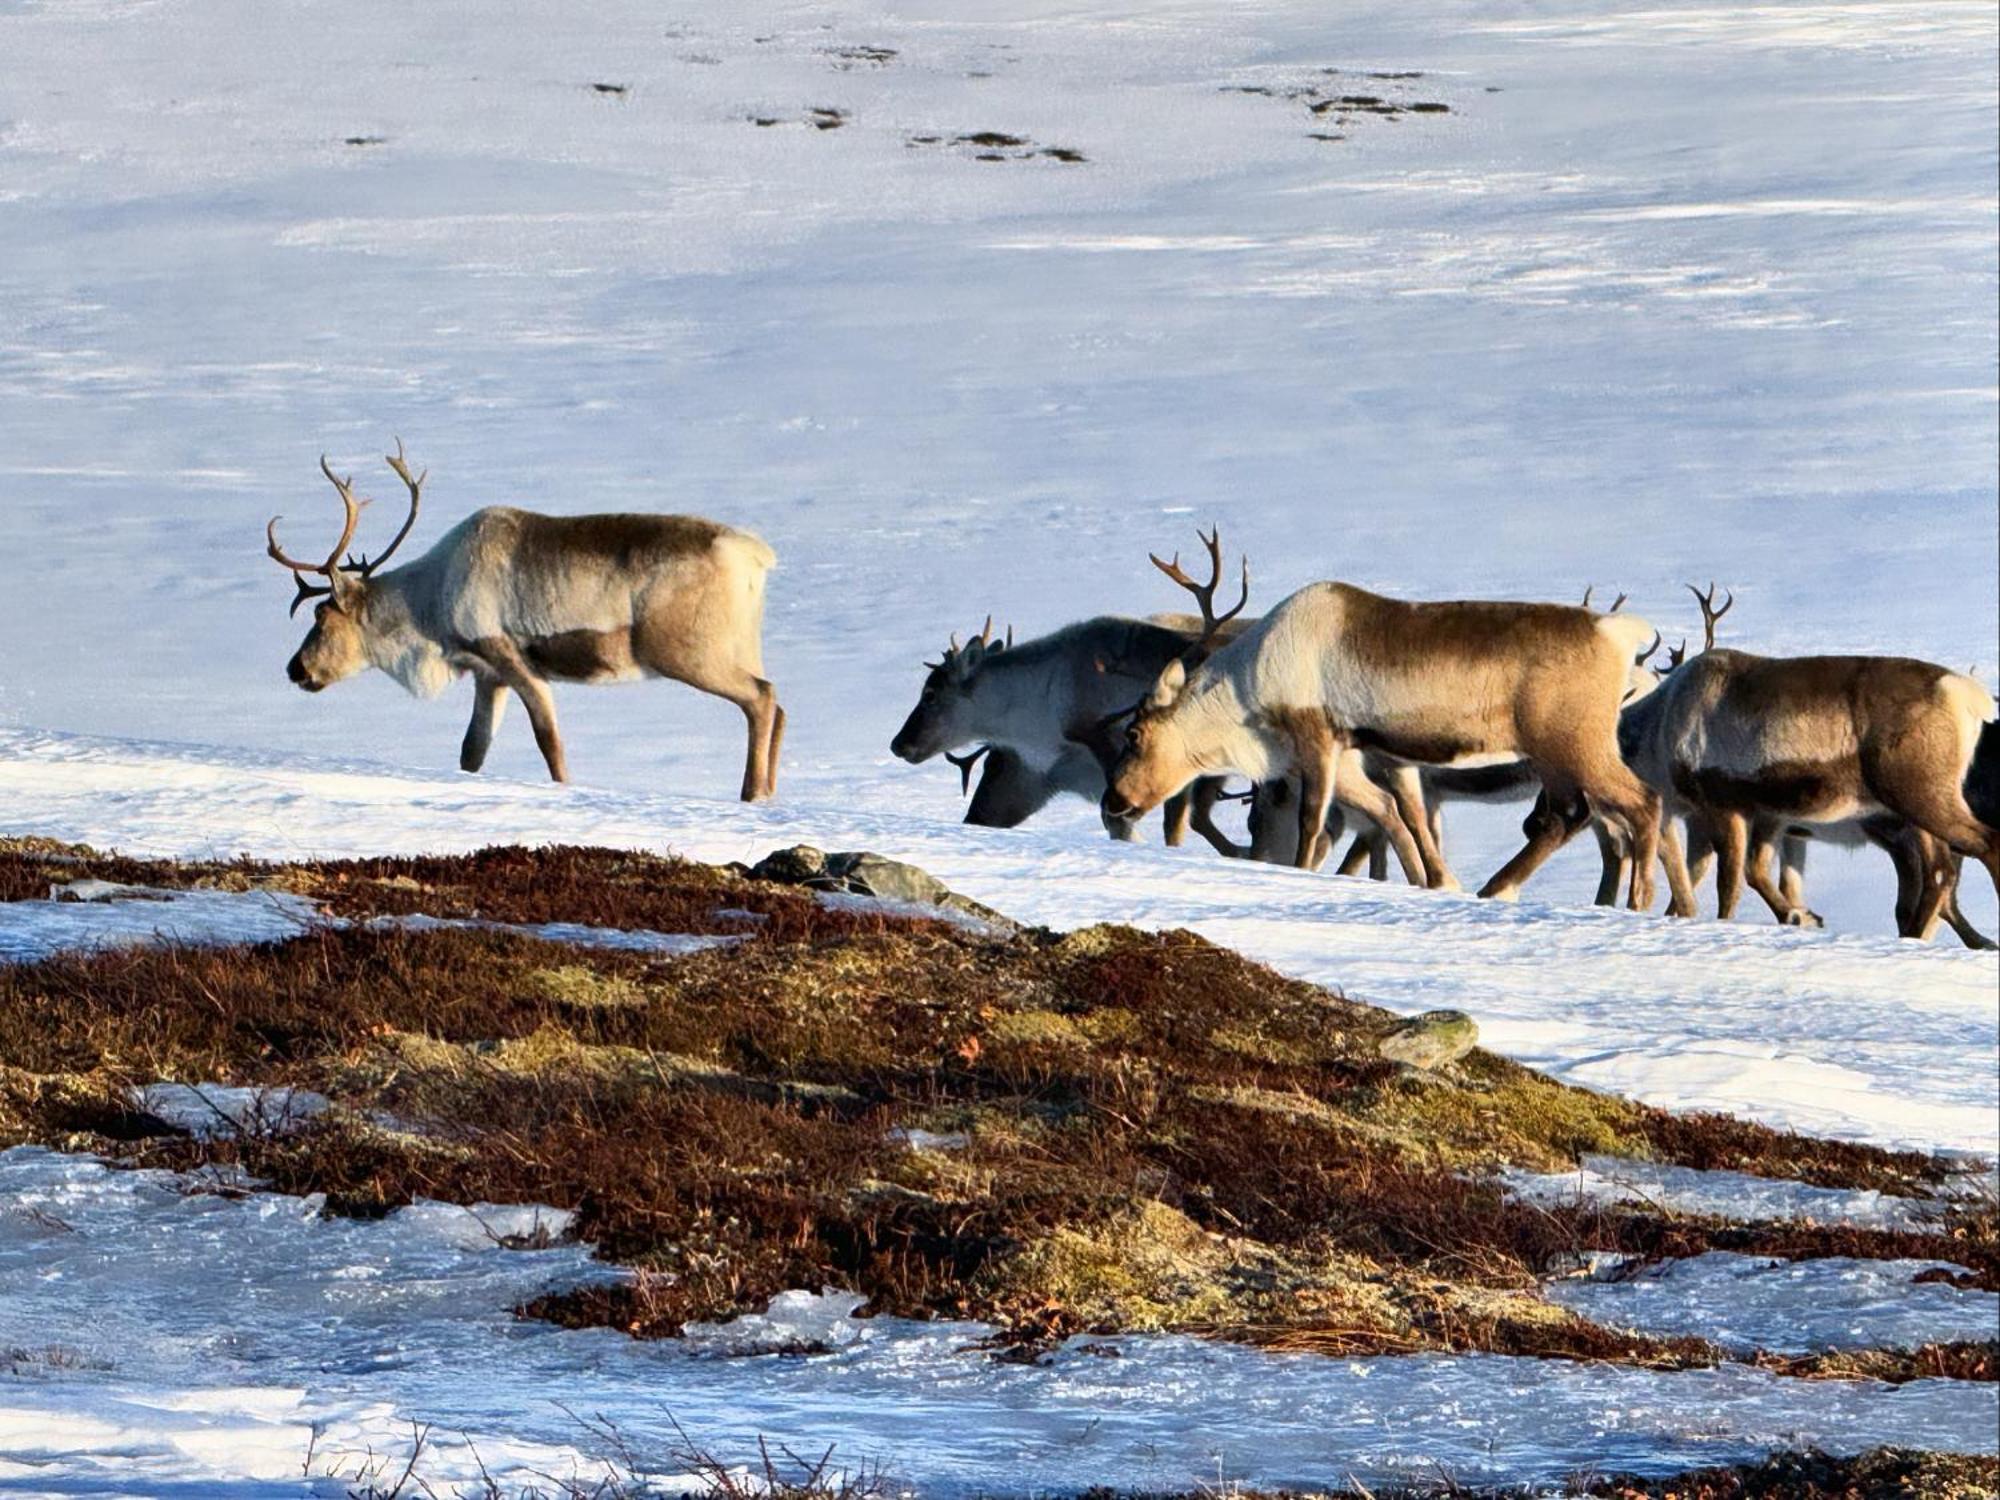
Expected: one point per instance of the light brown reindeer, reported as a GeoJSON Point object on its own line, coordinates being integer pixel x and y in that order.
{"type": "Point", "coordinates": [518, 600]}
{"type": "Point", "coordinates": [1753, 750]}
{"type": "Point", "coordinates": [1334, 667]}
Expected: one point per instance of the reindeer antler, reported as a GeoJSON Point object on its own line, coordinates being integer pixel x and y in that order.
{"type": "Point", "coordinates": [352, 507]}
{"type": "Point", "coordinates": [1677, 654]}
{"type": "Point", "coordinates": [1709, 613]}
{"type": "Point", "coordinates": [1204, 593]}
{"type": "Point", "coordinates": [416, 489]}
{"type": "Point", "coordinates": [365, 567]}
{"type": "Point", "coordinates": [1616, 604]}
{"type": "Point", "coordinates": [965, 763]}
{"type": "Point", "coordinates": [1644, 656]}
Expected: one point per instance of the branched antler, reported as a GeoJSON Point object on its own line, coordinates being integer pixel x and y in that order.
{"type": "Point", "coordinates": [1616, 604]}
{"type": "Point", "coordinates": [1204, 593]}
{"type": "Point", "coordinates": [366, 567]}
{"type": "Point", "coordinates": [1709, 613]}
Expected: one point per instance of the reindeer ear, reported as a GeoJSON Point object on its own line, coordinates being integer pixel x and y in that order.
{"type": "Point", "coordinates": [1168, 686]}
{"type": "Point", "coordinates": [346, 588]}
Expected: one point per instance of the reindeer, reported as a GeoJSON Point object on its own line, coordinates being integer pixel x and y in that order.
{"type": "Point", "coordinates": [518, 599]}
{"type": "Point", "coordinates": [1753, 750]}
{"type": "Point", "coordinates": [1334, 667]}
{"type": "Point", "coordinates": [1038, 715]}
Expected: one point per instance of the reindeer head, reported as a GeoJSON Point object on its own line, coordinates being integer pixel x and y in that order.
{"type": "Point", "coordinates": [942, 718]}
{"type": "Point", "coordinates": [1158, 757]}
{"type": "Point", "coordinates": [337, 645]}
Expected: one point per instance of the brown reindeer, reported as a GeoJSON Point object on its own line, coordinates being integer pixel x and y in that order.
{"type": "Point", "coordinates": [1751, 749]}
{"type": "Point", "coordinates": [518, 600]}
{"type": "Point", "coordinates": [1334, 667]}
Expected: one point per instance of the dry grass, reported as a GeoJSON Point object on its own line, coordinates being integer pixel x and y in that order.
{"type": "Point", "coordinates": [1159, 1133]}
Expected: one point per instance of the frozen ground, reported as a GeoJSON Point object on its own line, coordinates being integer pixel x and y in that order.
{"type": "Point", "coordinates": [1858, 1036]}
{"type": "Point", "coordinates": [1746, 1302]}
{"type": "Point", "coordinates": [163, 1343]}
{"type": "Point", "coordinates": [1670, 293]}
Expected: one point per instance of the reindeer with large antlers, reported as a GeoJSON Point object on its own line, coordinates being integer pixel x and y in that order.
{"type": "Point", "coordinates": [1335, 668]}
{"type": "Point", "coordinates": [519, 600]}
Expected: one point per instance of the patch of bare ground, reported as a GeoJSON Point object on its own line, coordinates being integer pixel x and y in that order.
{"type": "Point", "coordinates": [1147, 1132]}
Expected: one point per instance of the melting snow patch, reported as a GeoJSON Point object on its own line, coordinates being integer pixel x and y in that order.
{"type": "Point", "coordinates": [1746, 1302]}
{"type": "Point", "coordinates": [208, 1110]}
{"type": "Point", "coordinates": [633, 940]}
{"type": "Point", "coordinates": [33, 930]}
{"type": "Point", "coordinates": [233, 1327]}
{"type": "Point", "coordinates": [1729, 1195]}
{"type": "Point", "coordinates": [487, 1226]}
{"type": "Point", "coordinates": [929, 1140]}
{"type": "Point", "coordinates": [793, 1322]}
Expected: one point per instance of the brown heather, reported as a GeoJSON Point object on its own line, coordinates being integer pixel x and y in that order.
{"type": "Point", "coordinates": [1159, 1133]}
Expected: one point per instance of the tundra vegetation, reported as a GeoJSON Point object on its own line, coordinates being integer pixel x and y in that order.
{"type": "Point", "coordinates": [1126, 1130]}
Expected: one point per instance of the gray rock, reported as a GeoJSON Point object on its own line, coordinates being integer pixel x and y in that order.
{"type": "Point", "coordinates": [872, 876]}
{"type": "Point", "coordinates": [1432, 1039]}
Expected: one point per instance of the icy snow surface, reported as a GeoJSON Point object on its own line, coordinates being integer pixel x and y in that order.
{"type": "Point", "coordinates": [1728, 1195]}
{"type": "Point", "coordinates": [37, 929]}
{"type": "Point", "coordinates": [1745, 1302]}
{"type": "Point", "coordinates": [166, 1338]}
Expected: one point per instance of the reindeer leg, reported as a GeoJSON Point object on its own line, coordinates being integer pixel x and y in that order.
{"type": "Point", "coordinates": [489, 705]}
{"type": "Point", "coordinates": [1367, 797]}
{"type": "Point", "coordinates": [772, 746]}
{"type": "Point", "coordinates": [1362, 851]}
{"type": "Point", "coordinates": [1732, 841]}
{"type": "Point", "coordinates": [1680, 885]}
{"type": "Point", "coordinates": [1378, 857]}
{"type": "Point", "coordinates": [1405, 784]}
{"type": "Point", "coordinates": [1318, 771]}
{"type": "Point", "coordinates": [1174, 815]}
{"type": "Point", "coordinates": [505, 658]}
{"type": "Point", "coordinates": [1969, 935]}
{"type": "Point", "coordinates": [1765, 837]}
{"type": "Point", "coordinates": [1554, 820]}
{"type": "Point", "coordinates": [1616, 861]}
{"type": "Point", "coordinates": [1201, 817]}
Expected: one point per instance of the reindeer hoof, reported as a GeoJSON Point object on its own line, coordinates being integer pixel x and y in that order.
{"type": "Point", "coordinates": [1803, 918]}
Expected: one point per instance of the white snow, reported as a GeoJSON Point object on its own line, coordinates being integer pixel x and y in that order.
{"type": "Point", "coordinates": [1727, 1195]}
{"type": "Point", "coordinates": [1672, 293]}
{"type": "Point", "coordinates": [202, 1339]}
{"type": "Point", "coordinates": [625, 939]}
{"type": "Point", "coordinates": [1836, 1034]}
{"type": "Point", "coordinates": [39, 929]}
{"type": "Point", "coordinates": [1744, 1302]}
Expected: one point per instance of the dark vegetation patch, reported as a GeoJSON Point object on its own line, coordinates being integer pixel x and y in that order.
{"type": "Point", "coordinates": [1157, 1133]}
{"type": "Point", "coordinates": [365, 140]}
{"type": "Point", "coordinates": [614, 90]}
{"type": "Point", "coordinates": [1963, 1359]}
{"type": "Point", "coordinates": [1879, 1474]}
{"type": "Point", "coordinates": [1330, 101]}
{"type": "Point", "coordinates": [849, 58]}
{"type": "Point", "coordinates": [1000, 145]}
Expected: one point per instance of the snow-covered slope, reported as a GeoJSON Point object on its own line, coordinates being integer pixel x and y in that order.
{"type": "Point", "coordinates": [1846, 1035]}
{"type": "Point", "coordinates": [1673, 293]}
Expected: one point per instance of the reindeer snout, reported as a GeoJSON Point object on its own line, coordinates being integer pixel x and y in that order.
{"type": "Point", "coordinates": [296, 670]}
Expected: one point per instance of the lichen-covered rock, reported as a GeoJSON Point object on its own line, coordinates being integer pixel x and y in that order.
{"type": "Point", "coordinates": [1432, 1039]}
{"type": "Point", "coordinates": [860, 873]}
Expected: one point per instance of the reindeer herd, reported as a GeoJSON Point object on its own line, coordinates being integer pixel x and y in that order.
{"type": "Point", "coordinates": [1342, 708]}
